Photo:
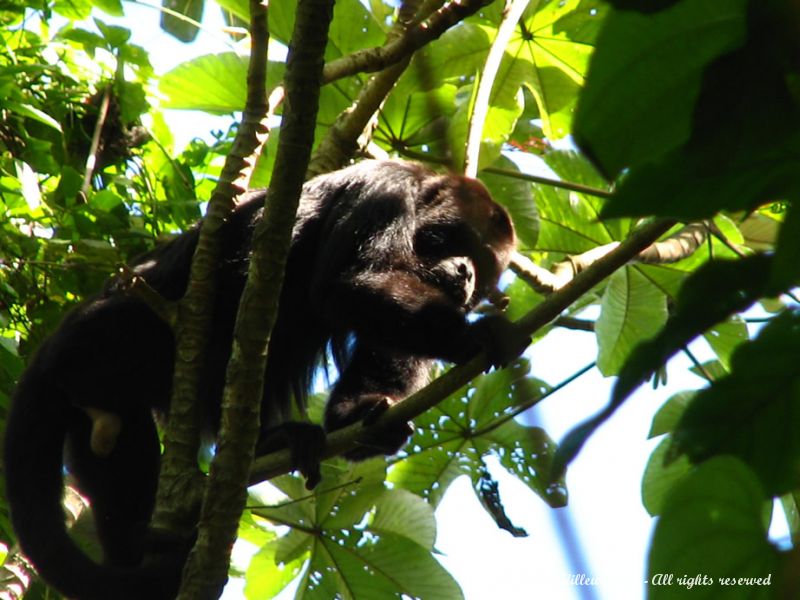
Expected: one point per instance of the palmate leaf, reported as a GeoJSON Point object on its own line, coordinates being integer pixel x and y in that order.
{"type": "Point", "coordinates": [265, 577]}
{"type": "Point", "coordinates": [554, 43]}
{"type": "Point", "coordinates": [548, 55]}
{"type": "Point", "coordinates": [452, 438]}
{"type": "Point", "coordinates": [569, 220]}
{"type": "Point", "coordinates": [339, 552]}
{"type": "Point", "coordinates": [376, 570]}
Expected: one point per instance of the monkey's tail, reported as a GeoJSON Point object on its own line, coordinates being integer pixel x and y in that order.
{"type": "Point", "coordinates": [34, 457]}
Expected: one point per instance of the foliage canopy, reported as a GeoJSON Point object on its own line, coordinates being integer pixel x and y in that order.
{"type": "Point", "coordinates": [683, 109]}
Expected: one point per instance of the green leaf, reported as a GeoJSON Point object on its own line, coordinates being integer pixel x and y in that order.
{"type": "Point", "coordinates": [633, 309]}
{"type": "Point", "coordinates": [215, 83]}
{"type": "Point", "coordinates": [117, 37]}
{"type": "Point", "coordinates": [660, 476]}
{"type": "Point", "coordinates": [753, 412]}
{"type": "Point", "coordinates": [645, 77]}
{"type": "Point", "coordinates": [111, 7]}
{"type": "Point", "coordinates": [75, 10]}
{"type": "Point", "coordinates": [698, 179]}
{"type": "Point", "coordinates": [404, 514]}
{"type": "Point", "coordinates": [377, 570]}
{"type": "Point", "coordinates": [266, 576]}
{"type": "Point", "coordinates": [569, 220]}
{"type": "Point", "coordinates": [693, 184]}
{"type": "Point", "coordinates": [410, 567]}
{"type": "Point", "coordinates": [726, 337]}
{"type": "Point", "coordinates": [459, 53]}
{"type": "Point", "coordinates": [239, 8]}
{"type": "Point", "coordinates": [786, 270]}
{"type": "Point", "coordinates": [516, 195]}
{"type": "Point", "coordinates": [409, 116]}
{"type": "Point", "coordinates": [184, 29]}
{"type": "Point", "coordinates": [667, 417]}
{"type": "Point", "coordinates": [452, 438]}
{"type": "Point", "coordinates": [554, 44]}
{"type": "Point", "coordinates": [88, 39]}
{"type": "Point", "coordinates": [281, 20]}
{"type": "Point", "coordinates": [353, 28]}
{"type": "Point", "coordinates": [389, 556]}
{"type": "Point", "coordinates": [105, 200]}
{"type": "Point", "coordinates": [712, 524]}
{"type": "Point", "coordinates": [27, 110]}
{"type": "Point", "coordinates": [526, 453]}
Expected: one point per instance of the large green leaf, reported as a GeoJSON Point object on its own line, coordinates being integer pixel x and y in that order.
{"type": "Point", "coordinates": [726, 337]}
{"type": "Point", "coordinates": [383, 556]}
{"type": "Point", "coordinates": [754, 412]}
{"type": "Point", "coordinates": [452, 438]}
{"type": "Point", "coordinates": [353, 28]}
{"type": "Point", "coordinates": [645, 78]}
{"type": "Point", "coordinates": [660, 476]}
{"type": "Point", "coordinates": [713, 526]}
{"type": "Point", "coordinates": [633, 309]}
{"type": "Point", "coordinates": [555, 43]}
{"type": "Point", "coordinates": [214, 83]}
{"type": "Point", "coordinates": [239, 8]}
{"type": "Point", "coordinates": [517, 196]}
{"type": "Point", "coordinates": [376, 570]}
{"type": "Point", "coordinates": [569, 220]}
{"type": "Point", "coordinates": [725, 162]}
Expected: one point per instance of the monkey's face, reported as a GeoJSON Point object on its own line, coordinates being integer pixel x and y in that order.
{"type": "Point", "coordinates": [455, 276]}
{"type": "Point", "coordinates": [465, 237]}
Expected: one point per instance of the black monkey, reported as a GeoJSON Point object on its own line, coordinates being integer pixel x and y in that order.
{"type": "Point", "coordinates": [387, 259]}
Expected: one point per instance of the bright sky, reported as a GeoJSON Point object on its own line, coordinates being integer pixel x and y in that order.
{"type": "Point", "coordinates": [604, 482]}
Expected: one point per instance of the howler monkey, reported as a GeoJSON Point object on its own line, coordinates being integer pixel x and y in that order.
{"type": "Point", "coordinates": [387, 258]}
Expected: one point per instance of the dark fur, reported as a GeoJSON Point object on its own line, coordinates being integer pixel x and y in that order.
{"type": "Point", "coordinates": [387, 259]}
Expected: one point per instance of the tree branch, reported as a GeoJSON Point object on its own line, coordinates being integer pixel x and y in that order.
{"type": "Point", "coordinates": [180, 485]}
{"type": "Point", "coordinates": [400, 48]}
{"type": "Point", "coordinates": [511, 17]}
{"type": "Point", "coordinates": [340, 142]}
{"type": "Point", "coordinates": [557, 183]}
{"type": "Point", "coordinates": [682, 244]}
{"type": "Point", "coordinates": [226, 493]}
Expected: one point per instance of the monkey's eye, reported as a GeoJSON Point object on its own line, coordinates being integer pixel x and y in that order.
{"type": "Point", "coordinates": [499, 220]}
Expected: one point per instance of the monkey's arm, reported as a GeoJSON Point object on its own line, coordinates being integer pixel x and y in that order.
{"type": "Point", "coordinates": [398, 310]}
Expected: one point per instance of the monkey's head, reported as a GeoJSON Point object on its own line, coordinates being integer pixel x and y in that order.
{"type": "Point", "coordinates": [464, 236]}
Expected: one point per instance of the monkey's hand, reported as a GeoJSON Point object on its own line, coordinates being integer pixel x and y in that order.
{"type": "Point", "coordinates": [305, 441]}
{"type": "Point", "coordinates": [499, 338]}
{"type": "Point", "coordinates": [368, 408]}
